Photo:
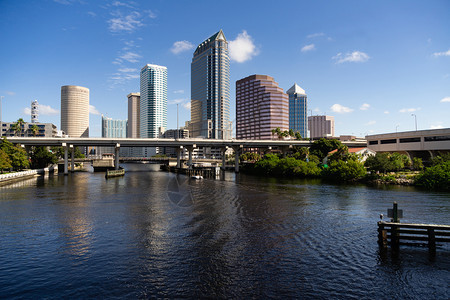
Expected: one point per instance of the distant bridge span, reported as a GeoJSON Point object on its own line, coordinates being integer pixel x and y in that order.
{"type": "Point", "coordinates": [189, 144]}
{"type": "Point", "coordinates": [157, 142]}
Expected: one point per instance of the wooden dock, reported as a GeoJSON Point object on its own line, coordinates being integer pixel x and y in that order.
{"type": "Point", "coordinates": [395, 234]}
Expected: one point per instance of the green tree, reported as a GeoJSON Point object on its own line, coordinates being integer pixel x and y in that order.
{"type": "Point", "coordinates": [323, 146]}
{"type": "Point", "coordinates": [42, 158]}
{"type": "Point", "coordinates": [435, 177]}
{"type": "Point", "coordinates": [17, 155]}
{"type": "Point", "coordinates": [340, 170]}
{"type": "Point", "coordinates": [19, 125]}
{"type": "Point", "coordinates": [298, 136]}
{"type": "Point", "coordinates": [34, 129]}
{"type": "Point", "coordinates": [301, 153]}
{"type": "Point", "coordinates": [417, 164]}
{"type": "Point", "coordinates": [5, 161]}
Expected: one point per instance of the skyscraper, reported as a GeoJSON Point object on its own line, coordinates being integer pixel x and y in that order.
{"type": "Point", "coordinates": [210, 89]}
{"type": "Point", "coordinates": [153, 103]}
{"type": "Point", "coordinates": [114, 128]}
{"type": "Point", "coordinates": [34, 111]}
{"type": "Point", "coordinates": [75, 110]}
{"type": "Point", "coordinates": [133, 115]}
{"type": "Point", "coordinates": [321, 126]}
{"type": "Point", "coordinates": [261, 105]}
{"type": "Point", "coordinates": [153, 100]}
{"type": "Point", "coordinates": [298, 110]}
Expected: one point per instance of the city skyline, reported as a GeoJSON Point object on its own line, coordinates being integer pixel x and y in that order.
{"type": "Point", "coordinates": [375, 67]}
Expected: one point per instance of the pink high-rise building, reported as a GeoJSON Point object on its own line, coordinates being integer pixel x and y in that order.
{"type": "Point", "coordinates": [261, 105]}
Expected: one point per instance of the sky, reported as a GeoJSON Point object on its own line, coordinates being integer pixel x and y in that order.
{"type": "Point", "coordinates": [376, 66]}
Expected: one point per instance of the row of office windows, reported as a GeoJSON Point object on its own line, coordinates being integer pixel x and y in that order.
{"type": "Point", "coordinates": [438, 138]}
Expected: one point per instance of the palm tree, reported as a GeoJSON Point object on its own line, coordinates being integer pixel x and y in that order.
{"type": "Point", "coordinates": [298, 136]}
{"type": "Point", "coordinates": [291, 132]}
{"type": "Point", "coordinates": [34, 129]}
{"type": "Point", "coordinates": [19, 124]}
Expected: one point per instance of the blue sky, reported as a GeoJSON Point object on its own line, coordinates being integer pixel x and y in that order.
{"type": "Point", "coordinates": [370, 64]}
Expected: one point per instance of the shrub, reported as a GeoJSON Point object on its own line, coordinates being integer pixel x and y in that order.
{"type": "Point", "coordinates": [435, 177]}
{"type": "Point", "coordinates": [340, 170]}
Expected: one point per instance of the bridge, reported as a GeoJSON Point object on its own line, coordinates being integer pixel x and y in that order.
{"type": "Point", "coordinates": [179, 144]}
{"type": "Point", "coordinates": [422, 143]}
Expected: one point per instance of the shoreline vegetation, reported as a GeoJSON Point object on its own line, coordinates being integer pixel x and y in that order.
{"type": "Point", "coordinates": [320, 161]}
{"type": "Point", "coordinates": [326, 159]}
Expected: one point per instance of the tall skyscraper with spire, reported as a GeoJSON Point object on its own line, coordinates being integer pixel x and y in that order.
{"type": "Point", "coordinates": [153, 103]}
{"type": "Point", "coordinates": [298, 110]}
{"type": "Point", "coordinates": [210, 89]}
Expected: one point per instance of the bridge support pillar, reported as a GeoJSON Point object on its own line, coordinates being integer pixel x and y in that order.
{"type": "Point", "coordinates": [72, 159]}
{"type": "Point", "coordinates": [66, 159]}
{"type": "Point", "coordinates": [190, 149]}
{"type": "Point", "coordinates": [224, 159]}
{"type": "Point", "coordinates": [179, 152]}
{"type": "Point", "coordinates": [116, 158]}
{"type": "Point", "coordinates": [237, 151]}
{"type": "Point", "coordinates": [285, 149]}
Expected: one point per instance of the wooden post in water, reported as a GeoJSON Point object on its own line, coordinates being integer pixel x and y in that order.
{"type": "Point", "coordinates": [394, 233]}
{"type": "Point", "coordinates": [382, 235]}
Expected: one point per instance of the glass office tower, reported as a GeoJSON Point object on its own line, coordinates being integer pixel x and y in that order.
{"type": "Point", "coordinates": [298, 110]}
{"type": "Point", "coordinates": [210, 89]}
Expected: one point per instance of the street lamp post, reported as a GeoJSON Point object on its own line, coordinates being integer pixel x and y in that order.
{"type": "Point", "coordinates": [178, 132]}
{"type": "Point", "coordinates": [1, 99]}
{"type": "Point", "coordinates": [415, 119]}
{"type": "Point", "coordinates": [396, 128]}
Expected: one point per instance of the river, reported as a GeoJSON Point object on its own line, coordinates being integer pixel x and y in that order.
{"type": "Point", "coordinates": [152, 234]}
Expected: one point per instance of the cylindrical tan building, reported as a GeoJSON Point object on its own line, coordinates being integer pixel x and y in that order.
{"type": "Point", "coordinates": [75, 110]}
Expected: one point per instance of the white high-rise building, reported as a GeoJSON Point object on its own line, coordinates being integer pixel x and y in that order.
{"type": "Point", "coordinates": [34, 111]}
{"type": "Point", "coordinates": [153, 103]}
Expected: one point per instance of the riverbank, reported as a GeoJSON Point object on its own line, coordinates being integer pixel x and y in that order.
{"type": "Point", "coordinates": [16, 176]}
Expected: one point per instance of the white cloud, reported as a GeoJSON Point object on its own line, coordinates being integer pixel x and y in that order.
{"type": "Point", "coordinates": [386, 112]}
{"type": "Point", "coordinates": [365, 106]}
{"type": "Point", "coordinates": [408, 110]}
{"type": "Point", "coordinates": [47, 110]}
{"type": "Point", "coordinates": [371, 123]}
{"type": "Point", "coordinates": [355, 56]}
{"type": "Point", "coordinates": [118, 3]}
{"type": "Point", "coordinates": [178, 92]}
{"type": "Point", "coordinates": [337, 108]}
{"type": "Point", "coordinates": [43, 110]}
{"type": "Point", "coordinates": [187, 105]}
{"type": "Point", "coordinates": [445, 53]}
{"type": "Point", "coordinates": [446, 99]}
{"type": "Point", "coordinates": [242, 48]}
{"type": "Point", "coordinates": [316, 110]}
{"type": "Point", "coordinates": [127, 23]}
{"type": "Point", "coordinates": [130, 57]}
{"type": "Point", "coordinates": [436, 126]}
{"type": "Point", "coordinates": [92, 14]}
{"type": "Point", "coordinates": [151, 14]}
{"type": "Point", "coordinates": [10, 93]}
{"type": "Point", "coordinates": [128, 70]}
{"type": "Point", "coordinates": [315, 35]}
{"type": "Point", "coordinates": [308, 48]}
{"type": "Point", "coordinates": [93, 110]}
{"type": "Point", "coordinates": [176, 101]}
{"type": "Point", "coordinates": [181, 46]}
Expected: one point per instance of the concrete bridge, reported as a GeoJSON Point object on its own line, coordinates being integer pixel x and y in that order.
{"type": "Point", "coordinates": [422, 143]}
{"type": "Point", "coordinates": [179, 144]}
